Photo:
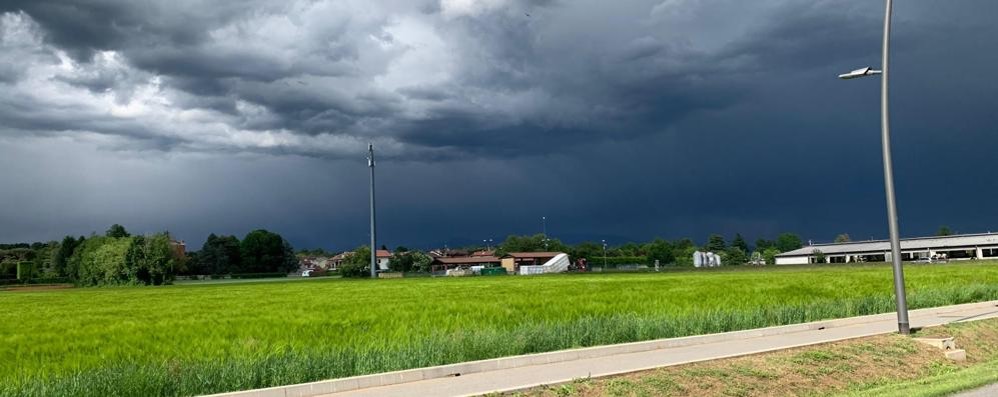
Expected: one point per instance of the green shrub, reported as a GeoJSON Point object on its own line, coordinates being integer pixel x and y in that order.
{"type": "Point", "coordinates": [614, 261]}
{"type": "Point", "coordinates": [25, 270]}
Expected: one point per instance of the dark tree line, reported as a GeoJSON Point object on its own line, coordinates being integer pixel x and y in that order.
{"type": "Point", "coordinates": [119, 258]}
{"type": "Point", "coordinates": [260, 251]}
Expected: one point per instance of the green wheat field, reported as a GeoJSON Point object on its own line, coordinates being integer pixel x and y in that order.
{"type": "Point", "coordinates": [196, 339]}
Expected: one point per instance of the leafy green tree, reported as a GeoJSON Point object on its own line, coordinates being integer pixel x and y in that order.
{"type": "Point", "coordinates": [421, 262]}
{"type": "Point", "coordinates": [684, 243]}
{"type": "Point", "coordinates": [264, 252]}
{"type": "Point", "coordinates": [740, 243]}
{"type": "Point", "coordinates": [357, 265]}
{"type": "Point", "coordinates": [843, 238]}
{"type": "Point", "coordinates": [628, 249]}
{"type": "Point", "coordinates": [102, 261]}
{"type": "Point", "coordinates": [762, 244]}
{"type": "Point", "coordinates": [660, 250]}
{"type": "Point", "coordinates": [150, 260]}
{"type": "Point", "coordinates": [409, 261]}
{"type": "Point", "coordinates": [715, 243]}
{"type": "Point", "coordinates": [220, 255]}
{"type": "Point", "coordinates": [535, 243]}
{"type": "Point", "coordinates": [160, 260]}
{"type": "Point", "coordinates": [944, 231]}
{"type": "Point", "coordinates": [684, 255]}
{"type": "Point", "coordinates": [60, 261]}
{"type": "Point", "coordinates": [587, 249]}
{"type": "Point", "coordinates": [788, 242]}
{"type": "Point", "coordinates": [735, 256]}
{"type": "Point", "coordinates": [819, 257]}
{"type": "Point", "coordinates": [770, 255]}
{"type": "Point", "coordinates": [117, 231]}
{"type": "Point", "coordinates": [400, 262]}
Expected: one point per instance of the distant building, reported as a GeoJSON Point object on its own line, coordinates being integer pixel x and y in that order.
{"type": "Point", "coordinates": [337, 260]}
{"type": "Point", "coordinates": [513, 260]}
{"type": "Point", "coordinates": [384, 259]}
{"type": "Point", "coordinates": [957, 247]}
{"type": "Point", "coordinates": [179, 248]}
{"type": "Point", "coordinates": [465, 262]}
{"type": "Point", "coordinates": [316, 263]}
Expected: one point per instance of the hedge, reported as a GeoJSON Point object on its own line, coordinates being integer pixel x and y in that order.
{"type": "Point", "coordinates": [258, 275]}
{"type": "Point", "coordinates": [25, 270]}
{"type": "Point", "coordinates": [614, 261]}
{"type": "Point", "coordinates": [56, 280]}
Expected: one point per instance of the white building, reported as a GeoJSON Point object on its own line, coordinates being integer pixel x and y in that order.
{"type": "Point", "coordinates": [958, 247]}
{"type": "Point", "coordinates": [384, 259]}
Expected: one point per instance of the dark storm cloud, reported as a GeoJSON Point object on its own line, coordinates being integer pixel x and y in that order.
{"type": "Point", "coordinates": [506, 84]}
{"type": "Point", "coordinates": [87, 26]}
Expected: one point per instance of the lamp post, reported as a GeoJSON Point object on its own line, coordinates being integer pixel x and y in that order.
{"type": "Point", "coordinates": [604, 254]}
{"type": "Point", "coordinates": [892, 217]}
{"type": "Point", "coordinates": [374, 247]}
{"type": "Point", "coordinates": [544, 231]}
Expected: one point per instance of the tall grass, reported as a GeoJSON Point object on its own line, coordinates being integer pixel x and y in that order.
{"type": "Point", "coordinates": [187, 340]}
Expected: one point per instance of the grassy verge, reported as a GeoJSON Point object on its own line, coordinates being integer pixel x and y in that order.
{"type": "Point", "coordinates": [938, 385]}
{"type": "Point", "coordinates": [888, 365]}
{"type": "Point", "coordinates": [195, 339]}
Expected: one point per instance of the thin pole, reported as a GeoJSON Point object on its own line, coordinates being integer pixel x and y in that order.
{"type": "Point", "coordinates": [892, 217]}
{"type": "Point", "coordinates": [544, 230]}
{"type": "Point", "coordinates": [374, 247]}
{"type": "Point", "coordinates": [604, 254]}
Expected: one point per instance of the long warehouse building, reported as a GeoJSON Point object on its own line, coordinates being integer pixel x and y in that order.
{"type": "Point", "coordinates": [957, 247]}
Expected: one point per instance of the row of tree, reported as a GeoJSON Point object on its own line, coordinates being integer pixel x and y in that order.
{"type": "Point", "coordinates": [114, 258]}
{"type": "Point", "coordinates": [118, 258]}
{"type": "Point", "coordinates": [260, 251]}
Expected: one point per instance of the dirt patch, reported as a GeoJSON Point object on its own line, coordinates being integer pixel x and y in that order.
{"type": "Point", "coordinates": [35, 288]}
{"type": "Point", "coordinates": [816, 370]}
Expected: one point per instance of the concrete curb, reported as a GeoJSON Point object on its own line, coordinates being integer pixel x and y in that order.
{"type": "Point", "coordinates": [412, 375]}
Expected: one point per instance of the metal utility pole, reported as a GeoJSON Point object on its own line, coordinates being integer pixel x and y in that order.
{"type": "Point", "coordinates": [904, 327]}
{"type": "Point", "coordinates": [374, 247]}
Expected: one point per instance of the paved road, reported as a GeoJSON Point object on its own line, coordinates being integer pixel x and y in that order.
{"type": "Point", "coordinates": [986, 391]}
{"type": "Point", "coordinates": [553, 373]}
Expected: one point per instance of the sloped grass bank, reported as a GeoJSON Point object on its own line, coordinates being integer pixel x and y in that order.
{"type": "Point", "coordinates": [878, 366]}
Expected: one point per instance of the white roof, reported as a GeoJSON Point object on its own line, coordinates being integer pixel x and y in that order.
{"type": "Point", "coordinates": [920, 243]}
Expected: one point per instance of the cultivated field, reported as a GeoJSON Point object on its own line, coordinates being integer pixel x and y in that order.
{"type": "Point", "coordinates": [190, 339]}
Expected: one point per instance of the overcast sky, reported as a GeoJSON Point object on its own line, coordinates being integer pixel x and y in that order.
{"type": "Point", "coordinates": [614, 119]}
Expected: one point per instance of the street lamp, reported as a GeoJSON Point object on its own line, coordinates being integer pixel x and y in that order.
{"type": "Point", "coordinates": [374, 249]}
{"type": "Point", "coordinates": [855, 74]}
{"type": "Point", "coordinates": [892, 217]}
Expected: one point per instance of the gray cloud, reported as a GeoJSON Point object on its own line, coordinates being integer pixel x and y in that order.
{"type": "Point", "coordinates": [393, 71]}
